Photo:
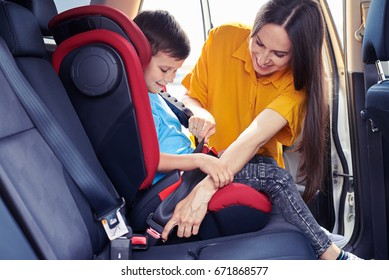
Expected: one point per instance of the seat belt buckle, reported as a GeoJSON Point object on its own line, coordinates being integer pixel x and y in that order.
{"type": "Point", "coordinates": [120, 248]}
{"type": "Point", "coordinates": [114, 224]}
{"type": "Point", "coordinates": [154, 231]}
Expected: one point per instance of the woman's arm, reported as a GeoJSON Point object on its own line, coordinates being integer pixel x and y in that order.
{"type": "Point", "coordinates": [259, 132]}
{"type": "Point", "coordinates": [190, 212]}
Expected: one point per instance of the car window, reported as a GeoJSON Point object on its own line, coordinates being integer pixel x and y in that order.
{"type": "Point", "coordinates": [66, 5]}
{"type": "Point", "coordinates": [336, 8]}
{"type": "Point", "coordinates": [193, 25]}
{"type": "Point", "coordinates": [228, 11]}
{"type": "Point", "coordinates": [221, 12]}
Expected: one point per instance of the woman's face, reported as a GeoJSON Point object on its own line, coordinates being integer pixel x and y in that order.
{"type": "Point", "coordinates": [161, 71]}
{"type": "Point", "coordinates": [270, 50]}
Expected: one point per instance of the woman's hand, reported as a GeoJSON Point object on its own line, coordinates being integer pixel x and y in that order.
{"type": "Point", "coordinates": [202, 124]}
{"type": "Point", "coordinates": [190, 212]}
{"type": "Point", "coordinates": [202, 127]}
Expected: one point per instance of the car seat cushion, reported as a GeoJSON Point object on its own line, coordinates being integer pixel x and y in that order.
{"type": "Point", "coordinates": [235, 209]}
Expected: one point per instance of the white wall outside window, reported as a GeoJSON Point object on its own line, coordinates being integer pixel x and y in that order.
{"type": "Point", "coordinates": [221, 11]}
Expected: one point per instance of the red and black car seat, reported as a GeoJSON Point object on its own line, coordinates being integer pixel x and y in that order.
{"type": "Point", "coordinates": [100, 58]}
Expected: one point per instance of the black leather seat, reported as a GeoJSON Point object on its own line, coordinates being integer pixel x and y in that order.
{"type": "Point", "coordinates": [376, 48]}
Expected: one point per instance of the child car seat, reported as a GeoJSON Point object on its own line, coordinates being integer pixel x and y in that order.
{"type": "Point", "coordinates": [100, 58]}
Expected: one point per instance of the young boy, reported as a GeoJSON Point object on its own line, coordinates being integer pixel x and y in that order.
{"type": "Point", "coordinates": [170, 47]}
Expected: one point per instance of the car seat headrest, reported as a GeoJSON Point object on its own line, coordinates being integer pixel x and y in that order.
{"type": "Point", "coordinates": [375, 41]}
{"type": "Point", "coordinates": [43, 10]}
{"type": "Point", "coordinates": [20, 30]}
{"type": "Point", "coordinates": [86, 18]}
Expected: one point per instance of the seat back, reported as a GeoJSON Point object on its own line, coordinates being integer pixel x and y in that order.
{"type": "Point", "coordinates": [376, 48]}
{"type": "Point", "coordinates": [113, 102]}
{"type": "Point", "coordinates": [52, 212]}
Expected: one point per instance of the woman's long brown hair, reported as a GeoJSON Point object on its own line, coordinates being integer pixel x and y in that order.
{"type": "Point", "coordinates": [303, 21]}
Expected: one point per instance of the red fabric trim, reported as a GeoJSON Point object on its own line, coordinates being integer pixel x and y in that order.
{"type": "Point", "coordinates": [129, 27]}
{"type": "Point", "coordinates": [239, 194]}
{"type": "Point", "coordinates": [165, 193]}
{"type": "Point", "coordinates": [134, 73]}
{"type": "Point", "coordinates": [209, 150]}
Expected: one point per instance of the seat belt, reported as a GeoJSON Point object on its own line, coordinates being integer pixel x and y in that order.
{"type": "Point", "coordinates": [376, 171]}
{"type": "Point", "coordinates": [105, 204]}
{"type": "Point", "coordinates": [157, 220]}
{"type": "Point", "coordinates": [183, 113]}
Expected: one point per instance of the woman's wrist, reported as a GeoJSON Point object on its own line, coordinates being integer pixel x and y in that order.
{"type": "Point", "coordinates": [209, 185]}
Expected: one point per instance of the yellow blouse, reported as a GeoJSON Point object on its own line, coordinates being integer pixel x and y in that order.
{"type": "Point", "coordinates": [225, 83]}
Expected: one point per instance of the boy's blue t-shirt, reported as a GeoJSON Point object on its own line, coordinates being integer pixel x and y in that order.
{"type": "Point", "coordinates": [172, 138]}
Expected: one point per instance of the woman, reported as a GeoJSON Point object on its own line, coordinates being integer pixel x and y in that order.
{"type": "Point", "coordinates": [260, 86]}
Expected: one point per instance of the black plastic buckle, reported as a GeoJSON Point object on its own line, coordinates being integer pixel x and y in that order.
{"type": "Point", "coordinates": [121, 248]}
{"type": "Point", "coordinates": [113, 222]}
{"type": "Point", "coordinates": [154, 231]}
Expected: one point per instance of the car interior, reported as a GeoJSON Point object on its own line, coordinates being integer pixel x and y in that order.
{"type": "Point", "coordinates": [78, 150]}
{"type": "Point", "coordinates": [60, 186]}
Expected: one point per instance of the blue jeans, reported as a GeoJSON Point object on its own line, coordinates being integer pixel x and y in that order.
{"type": "Point", "coordinates": [264, 174]}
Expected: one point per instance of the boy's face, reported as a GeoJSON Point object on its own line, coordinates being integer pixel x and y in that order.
{"type": "Point", "coordinates": [161, 71]}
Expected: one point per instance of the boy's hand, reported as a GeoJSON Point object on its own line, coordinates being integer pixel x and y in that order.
{"type": "Point", "coordinates": [217, 170]}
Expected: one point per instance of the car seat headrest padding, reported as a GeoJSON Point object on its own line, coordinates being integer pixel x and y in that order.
{"type": "Point", "coordinates": [20, 30]}
{"type": "Point", "coordinates": [91, 17]}
{"type": "Point", "coordinates": [43, 11]}
{"type": "Point", "coordinates": [375, 41]}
